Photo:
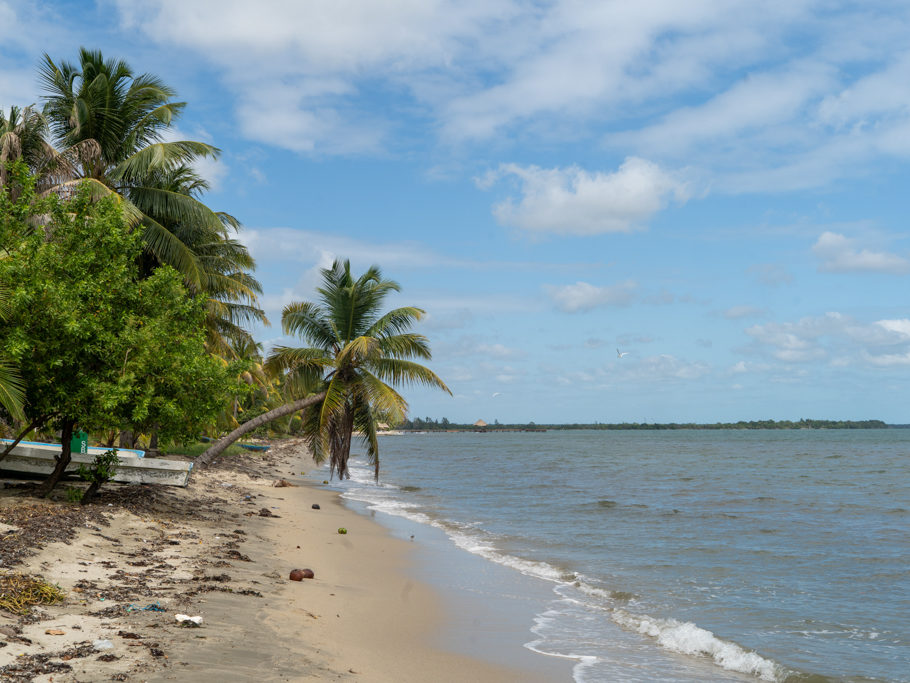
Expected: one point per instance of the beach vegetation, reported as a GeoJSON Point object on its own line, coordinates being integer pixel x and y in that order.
{"type": "Point", "coordinates": [345, 380]}
{"type": "Point", "coordinates": [101, 471]}
{"type": "Point", "coordinates": [431, 424]}
{"type": "Point", "coordinates": [107, 128]}
{"type": "Point", "coordinates": [97, 344]}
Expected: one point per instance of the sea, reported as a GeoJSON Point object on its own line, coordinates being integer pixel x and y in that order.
{"type": "Point", "coordinates": [685, 555]}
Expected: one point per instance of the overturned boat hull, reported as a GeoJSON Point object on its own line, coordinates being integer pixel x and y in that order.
{"type": "Point", "coordinates": [40, 458]}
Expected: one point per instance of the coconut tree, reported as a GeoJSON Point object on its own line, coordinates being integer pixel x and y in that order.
{"type": "Point", "coordinates": [357, 354]}
{"type": "Point", "coordinates": [22, 136]}
{"type": "Point", "coordinates": [225, 267]}
{"type": "Point", "coordinates": [125, 118]}
{"type": "Point", "coordinates": [12, 391]}
{"type": "Point", "coordinates": [356, 358]}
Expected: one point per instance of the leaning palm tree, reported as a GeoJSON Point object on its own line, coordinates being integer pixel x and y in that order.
{"type": "Point", "coordinates": [357, 355]}
{"type": "Point", "coordinates": [124, 117]}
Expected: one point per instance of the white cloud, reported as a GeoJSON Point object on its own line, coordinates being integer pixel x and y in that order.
{"type": "Point", "coordinates": [213, 170]}
{"type": "Point", "coordinates": [839, 254]}
{"type": "Point", "coordinates": [308, 246]}
{"type": "Point", "coordinates": [753, 105]}
{"type": "Point", "coordinates": [583, 296]}
{"type": "Point", "coordinates": [763, 110]}
{"type": "Point", "coordinates": [577, 202]}
{"type": "Point", "coordinates": [299, 69]}
{"type": "Point", "coordinates": [835, 337]}
{"type": "Point", "coordinates": [900, 327]}
{"type": "Point", "coordinates": [739, 368]}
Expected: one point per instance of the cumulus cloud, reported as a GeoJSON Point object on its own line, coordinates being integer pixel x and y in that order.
{"type": "Point", "coordinates": [583, 296]}
{"type": "Point", "coordinates": [836, 338]}
{"type": "Point", "coordinates": [299, 70]}
{"type": "Point", "coordinates": [574, 201]}
{"type": "Point", "coordinates": [839, 254]}
{"type": "Point", "coordinates": [710, 77]}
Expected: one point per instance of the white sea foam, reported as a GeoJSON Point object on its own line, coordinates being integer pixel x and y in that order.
{"type": "Point", "coordinates": [572, 589]}
{"type": "Point", "coordinates": [687, 638]}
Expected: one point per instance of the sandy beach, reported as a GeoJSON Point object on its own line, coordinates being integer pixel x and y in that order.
{"type": "Point", "coordinates": [223, 549]}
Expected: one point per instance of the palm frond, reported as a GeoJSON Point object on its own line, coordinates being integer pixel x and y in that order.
{"type": "Point", "coordinates": [284, 358]}
{"type": "Point", "coordinates": [396, 371]}
{"type": "Point", "coordinates": [170, 251]}
{"type": "Point", "coordinates": [308, 321]}
{"type": "Point", "coordinates": [407, 345]}
{"type": "Point", "coordinates": [160, 156]}
{"type": "Point", "coordinates": [396, 321]}
{"type": "Point", "coordinates": [12, 391]}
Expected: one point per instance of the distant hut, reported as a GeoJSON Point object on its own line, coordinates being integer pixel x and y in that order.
{"type": "Point", "coordinates": [382, 427]}
{"type": "Point", "coordinates": [480, 423]}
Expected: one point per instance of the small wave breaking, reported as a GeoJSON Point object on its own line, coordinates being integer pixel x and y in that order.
{"type": "Point", "coordinates": [670, 634]}
{"type": "Point", "coordinates": [687, 638]}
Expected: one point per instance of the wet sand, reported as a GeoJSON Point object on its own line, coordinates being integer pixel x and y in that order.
{"type": "Point", "coordinates": [222, 549]}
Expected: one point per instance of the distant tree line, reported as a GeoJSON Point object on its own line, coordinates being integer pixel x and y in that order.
{"type": "Point", "coordinates": [443, 424]}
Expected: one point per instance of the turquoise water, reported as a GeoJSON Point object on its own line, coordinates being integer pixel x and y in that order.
{"type": "Point", "coordinates": [683, 555]}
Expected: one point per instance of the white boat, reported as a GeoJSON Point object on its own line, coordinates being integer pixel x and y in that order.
{"type": "Point", "coordinates": [33, 457]}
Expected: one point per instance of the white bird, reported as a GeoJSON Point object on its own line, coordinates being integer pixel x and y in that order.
{"type": "Point", "coordinates": [620, 354]}
{"type": "Point", "coordinates": [498, 393]}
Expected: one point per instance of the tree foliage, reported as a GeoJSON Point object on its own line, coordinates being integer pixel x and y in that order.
{"type": "Point", "coordinates": [96, 344]}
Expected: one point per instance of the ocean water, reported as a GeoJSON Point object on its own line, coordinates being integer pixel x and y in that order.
{"type": "Point", "coordinates": [681, 555]}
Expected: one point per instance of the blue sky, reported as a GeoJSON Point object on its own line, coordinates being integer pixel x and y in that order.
{"type": "Point", "coordinates": [718, 188]}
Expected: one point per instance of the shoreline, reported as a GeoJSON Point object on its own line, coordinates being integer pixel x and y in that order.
{"type": "Point", "coordinates": [222, 549]}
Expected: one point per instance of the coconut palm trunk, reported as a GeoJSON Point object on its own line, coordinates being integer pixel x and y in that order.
{"type": "Point", "coordinates": [221, 445]}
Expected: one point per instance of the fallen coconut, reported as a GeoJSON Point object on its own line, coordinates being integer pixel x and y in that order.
{"type": "Point", "coordinates": [301, 574]}
{"type": "Point", "coordinates": [342, 530]}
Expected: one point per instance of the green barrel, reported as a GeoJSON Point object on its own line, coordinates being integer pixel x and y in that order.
{"type": "Point", "coordinates": [79, 442]}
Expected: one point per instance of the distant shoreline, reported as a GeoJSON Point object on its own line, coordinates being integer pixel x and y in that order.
{"type": "Point", "coordinates": [429, 426]}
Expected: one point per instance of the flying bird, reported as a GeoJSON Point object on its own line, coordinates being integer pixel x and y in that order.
{"type": "Point", "coordinates": [620, 354]}
{"type": "Point", "coordinates": [498, 393]}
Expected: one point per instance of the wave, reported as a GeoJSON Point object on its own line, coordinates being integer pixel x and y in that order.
{"type": "Point", "coordinates": [687, 638]}
{"type": "Point", "coordinates": [571, 587]}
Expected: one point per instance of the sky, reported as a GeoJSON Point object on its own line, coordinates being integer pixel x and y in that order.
{"type": "Point", "coordinates": [718, 189]}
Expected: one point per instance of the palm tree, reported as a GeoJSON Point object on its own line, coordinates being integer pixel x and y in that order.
{"type": "Point", "coordinates": [357, 355]}
{"type": "Point", "coordinates": [12, 391]}
{"type": "Point", "coordinates": [224, 264]}
{"type": "Point", "coordinates": [113, 123]}
{"type": "Point", "coordinates": [22, 136]}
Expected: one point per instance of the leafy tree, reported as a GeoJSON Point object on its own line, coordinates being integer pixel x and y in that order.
{"type": "Point", "coordinates": [96, 344]}
{"type": "Point", "coordinates": [357, 356]}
